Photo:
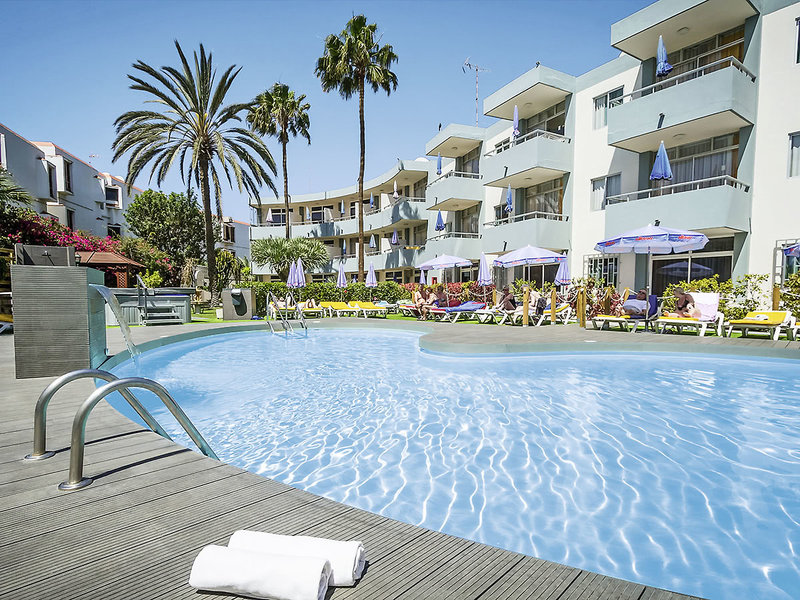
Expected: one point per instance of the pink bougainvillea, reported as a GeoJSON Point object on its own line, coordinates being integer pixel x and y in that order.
{"type": "Point", "coordinates": [27, 227]}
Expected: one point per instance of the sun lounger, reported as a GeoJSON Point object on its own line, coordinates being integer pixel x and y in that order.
{"type": "Point", "coordinates": [465, 310]}
{"type": "Point", "coordinates": [281, 310]}
{"type": "Point", "coordinates": [317, 311]}
{"type": "Point", "coordinates": [408, 309]}
{"type": "Point", "coordinates": [708, 303]}
{"type": "Point", "coordinates": [563, 314]}
{"type": "Point", "coordinates": [340, 308]}
{"type": "Point", "coordinates": [6, 322]}
{"type": "Point", "coordinates": [628, 322]}
{"type": "Point", "coordinates": [491, 315]}
{"type": "Point", "coordinates": [369, 309]}
{"type": "Point", "coordinates": [770, 321]}
{"type": "Point", "coordinates": [392, 308]}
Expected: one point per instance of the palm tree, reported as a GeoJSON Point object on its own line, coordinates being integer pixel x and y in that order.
{"type": "Point", "coordinates": [279, 253]}
{"type": "Point", "coordinates": [11, 192]}
{"type": "Point", "coordinates": [194, 122]}
{"type": "Point", "coordinates": [353, 60]}
{"type": "Point", "coordinates": [279, 113]}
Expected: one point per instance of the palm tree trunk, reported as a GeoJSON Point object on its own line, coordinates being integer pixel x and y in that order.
{"type": "Point", "coordinates": [285, 186]}
{"type": "Point", "coordinates": [361, 181]}
{"type": "Point", "coordinates": [210, 253]}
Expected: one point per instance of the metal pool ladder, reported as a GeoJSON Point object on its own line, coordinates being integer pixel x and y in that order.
{"type": "Point", "coordinates": [115, 384]}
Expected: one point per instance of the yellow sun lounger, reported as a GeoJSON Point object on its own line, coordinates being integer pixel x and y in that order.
{"type": "Point", "coordinates": [370, 309]}
{"type": "Point", "coordinates": [771, 321]}
{"type": "Point", "coordinates": [340, 308]}
{"type": "Point", "coordinates": [563, 314]}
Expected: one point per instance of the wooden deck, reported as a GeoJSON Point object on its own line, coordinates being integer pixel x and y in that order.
{"type": "Point", "coordinates": [135, 532]}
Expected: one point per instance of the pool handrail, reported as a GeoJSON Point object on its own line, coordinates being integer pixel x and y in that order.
{"type": "Point", "coordinates": [77, 446]}
{"type": "Point", "coordinates": [40, 451]}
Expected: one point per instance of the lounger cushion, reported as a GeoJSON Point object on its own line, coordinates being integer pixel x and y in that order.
{"type": "Point", "coordinates": [773, 318]}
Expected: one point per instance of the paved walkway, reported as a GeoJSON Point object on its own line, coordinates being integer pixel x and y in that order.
{"type": "Point", "coordinates": [135, 532]}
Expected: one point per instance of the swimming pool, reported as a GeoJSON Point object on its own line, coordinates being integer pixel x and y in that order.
{"type": "Point", "coordinates": [675, 470]}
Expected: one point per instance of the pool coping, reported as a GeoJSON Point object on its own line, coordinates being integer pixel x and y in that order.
{"type": "Point", "coordinates": [435, 338]}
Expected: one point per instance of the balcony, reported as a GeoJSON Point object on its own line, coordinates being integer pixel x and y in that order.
{"type": "Point", "coordinates": [717, 203]}
{"type": "Point", "coordinates": [454, 243]}
{"type": "Point", "coordinates": [682, 23]}
{"type": "Point", "coordinates": [711, 100]}
{"type": "Point", "coordinates": [405, 211]}
{"type": "Point", "coordinates": [456, 190]}
{"type": "Point", "coordinates": [531, 159]}
{"type": "Point", "coordinates": [543, 229]}
{"type": "Point", "coordinates": [396, 258]}
{"type": "Point", "coordinates": [455, 140]}
{"type": "Point", "coordinates": [531, 93]}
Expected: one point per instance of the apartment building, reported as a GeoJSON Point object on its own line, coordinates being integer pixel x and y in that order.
{"type": "Point", "coordinates": [579, 168]}
{"type": "Point", "coordinates": [64, 186]}
{"type": "Point", "coordinates": [235, 237]}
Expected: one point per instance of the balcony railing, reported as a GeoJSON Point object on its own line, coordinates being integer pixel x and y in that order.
{"type": "Point", "coordinates": [724, 63]}
{"type": "Point", "coordinates": [455, 234]}
{"type": "Point", "coordinates": [537, 214]}
{"type": "Point", "coordinates": [464, 174]}
{"type": "Point", "coordinates": [536, 133]}
{"type": "Point", "coordinates": [677, 188]}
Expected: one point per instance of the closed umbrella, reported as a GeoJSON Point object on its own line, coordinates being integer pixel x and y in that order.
{"type": "Point", "coordinates": [372, 281]}
{"type": "Point", "coordinates": [662, 170]}
{"type": "Point", "coordinates": [371, 201]}
{"type": "Point", "coordinates": [290, 279]}
{"type": "Point", "coordinates": [394, 240]}
{"type": "Point", "coordinates": [509, 202]}
{"type": "Point", "coordinates": [395, 194]}
{"type": "Point", "coordinates": [439, 163]}
{"type": "Point", "coordinates": [269, 216]}
{"type": "Point", "coordinates": [439, 222]}
{"type": "Point", "coordinates": [515, 133]}
{"type": "Point", "coordinates": [484, 274]}
{"type": "Point", "coordinates": [562, 276]}
{"type": "Point", "coordinates": [372, 241]}
{"type": "Point", "coordinates": [662, 66]}
{"type": "Point", "coordinates": [792, 251]}
{"type": "Point", "coordinates": [300, 274]}
{"type": "Point", "coordinates": [421, 277]}
{"type": "Point", "coordinates": [341, 280]}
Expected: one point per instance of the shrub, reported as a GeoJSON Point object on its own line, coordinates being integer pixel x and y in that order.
{"type": "Point", "coordinates": [153, 259]}
{"type": "Point", "coordinates": [790, 296]}
{"type": "Point", "coordinates": [737, 296]}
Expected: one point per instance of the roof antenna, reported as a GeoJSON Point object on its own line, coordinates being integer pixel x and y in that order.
{"type": "Point", "coordinates": [469, 66]}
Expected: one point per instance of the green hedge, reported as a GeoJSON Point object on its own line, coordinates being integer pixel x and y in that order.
{"type": "Point", "coordinates": [790, 296]}
{"type": "Point", "coordinates": [388, 291]}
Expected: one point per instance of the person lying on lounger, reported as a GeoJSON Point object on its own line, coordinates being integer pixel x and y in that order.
{"type": "Point", "coordinates": [638, 306]}
{"type": "Point", "coordinates": [684, 305]}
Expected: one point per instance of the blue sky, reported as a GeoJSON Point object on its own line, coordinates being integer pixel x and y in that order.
{"type": "Point", "coordinates": [64, 73]}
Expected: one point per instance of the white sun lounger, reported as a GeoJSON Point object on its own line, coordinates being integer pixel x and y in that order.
{"type": "Point", "coordinates": [708, 303]}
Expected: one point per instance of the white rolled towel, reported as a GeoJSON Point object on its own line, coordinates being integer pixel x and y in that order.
{"type": "Point", "coordinates": [260, 575]}
{"type": "Point", "coordinates": [346, 558]}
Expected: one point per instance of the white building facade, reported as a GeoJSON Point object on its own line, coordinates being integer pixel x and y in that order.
{"type": "Point", "coordinates": [65, 187]}
{"type": "Point", "coordinates": [579, 169]}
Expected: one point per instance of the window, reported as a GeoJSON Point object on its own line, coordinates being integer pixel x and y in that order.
{"type": "Point", "coordinates": [715, 259]}
{"type": "Point", "coordinates": [3, 151]}
{"type": "Point", "coordinates": [551, 120]}
{"type": "Point", "coordinates": [278, 216]}
{"type": "Point", "coordinates": [603, 188]}
{"type": "Point", "coordinates": [419, 187]}
{"type": "Point", "coordinates": [543, 198]}
{"type": "Point", "coordinates": [706, 159]}
{"type": "Point", "coordinates": [790, 264]}
{"type": "Point", "coordinates": [114, 231]}
{"type": "Point", "coordinates": [794, 154]}
{"type": "Point", "coordinates": [466, 220]}
{"type": "Point", "coordinates": [112, 195]}
{"type": "Point", "coordinates": [724, 45]}
{"type": "Point", "coordinates": [601, 104]}
{"type": "Point", "coordinates": [797, 50]}
{"type": "Point", "coordinates": [396, 276]}
{"type": "Point", "coordinates": [603, 268]}
{"type": "Point", "coordinates": [228, 232]}
{"type": "Point", "coordinates": [469, 162]}
{"type": "Point", "coordinates": [68, 176]}
{"type": "Point", "coordinates": [71, 219]}
{"type": "Point", "coordinates": [51, 177]}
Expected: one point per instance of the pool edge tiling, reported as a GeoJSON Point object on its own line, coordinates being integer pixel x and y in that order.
{"type": "Point", "coordinates": [169, 502]}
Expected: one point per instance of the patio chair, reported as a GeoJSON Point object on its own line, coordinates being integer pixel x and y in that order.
{"type": "Point", "coordinates": [708, 303]}
{"type": "Point", "coordinates": [563, 314]}
{"type": "Point", "coordinates": [770, 321]}
{"type": "Point", "coordinates": [491, 315]}
{"type": "Point", "coordinates": [370, 310]}
{"type": "Point", "coordinates": [629, 322]}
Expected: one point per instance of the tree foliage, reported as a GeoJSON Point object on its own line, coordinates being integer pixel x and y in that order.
{"type": "Point", "coordinates": [278, 112]}
{"type": "Point", "coordinates": [195, 131]}
{"type": "Point", "coordinates": [10, 192]}
{"type": "Point", "coordinates": [280, 253]}
{"type": "Point", "coordinates": [172, 223]}
{"type": "Point", "coordinates": [351, 61]}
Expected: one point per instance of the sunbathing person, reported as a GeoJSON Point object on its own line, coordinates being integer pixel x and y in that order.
{"type": "Point", "coordinates": [638, 306]}
{"type": "Point", "coordinates": [420, 302]}
{"type": "Point", "coordinates": [684, 305]}
{"type": "Point", "coordinates": [506, 301]}
{"type": "Point", "coordinates": [310, 303]}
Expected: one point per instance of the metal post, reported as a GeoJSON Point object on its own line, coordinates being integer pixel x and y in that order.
{"type": "Point", "coordinates": [76, 479]}
{"type": "Point", "coordinates": [40, 412]}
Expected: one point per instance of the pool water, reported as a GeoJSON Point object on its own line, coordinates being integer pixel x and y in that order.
{"type": "Point", "coordinates": [680, 471]}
